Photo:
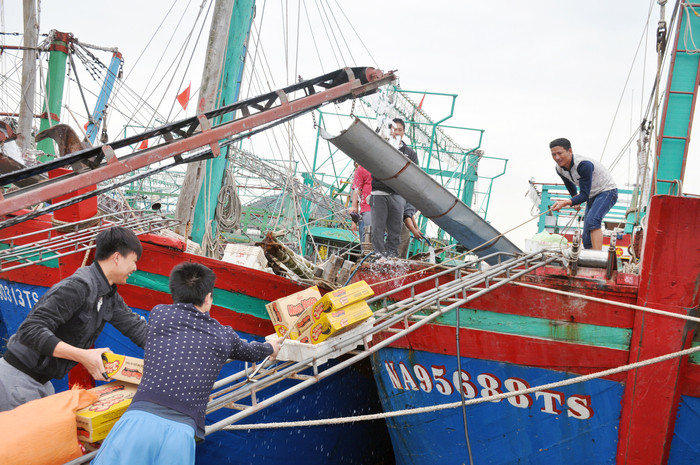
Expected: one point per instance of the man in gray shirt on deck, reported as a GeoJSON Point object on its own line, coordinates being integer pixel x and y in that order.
{"type": "Point", "coordinates": [387, 205]}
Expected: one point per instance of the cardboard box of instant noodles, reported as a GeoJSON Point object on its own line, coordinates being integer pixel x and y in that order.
{"type": "Point", "coordinates": [341, 298]}
{"type": "Point", "coordinates": [295, 308]}
{"type": "Point", "coordinates": [336, 321]}
{"type": "Point", "coordinates": [123, 368]}
{"type": "Point", "coordinates": [95, 421]}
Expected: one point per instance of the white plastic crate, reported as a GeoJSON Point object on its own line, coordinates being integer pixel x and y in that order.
{"type": "Point", "coordinates": [297, 351]}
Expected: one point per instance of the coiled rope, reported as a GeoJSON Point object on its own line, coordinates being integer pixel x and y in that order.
{"type": "Point", "coordinates": [228, 207]}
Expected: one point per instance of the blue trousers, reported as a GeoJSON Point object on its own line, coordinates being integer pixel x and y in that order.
{"type": "Point", "coordinates": [596, 208]}
{"type": "Point", "coordinates": [141, 438]}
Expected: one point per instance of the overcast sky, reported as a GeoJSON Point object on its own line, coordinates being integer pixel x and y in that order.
{"type": "Point", "coordinates": [526, 72]}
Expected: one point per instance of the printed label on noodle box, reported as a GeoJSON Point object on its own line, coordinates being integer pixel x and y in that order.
{"type": "Point", "coordinates": [285, 312]}
{"type": "Point", "coordinates": [114, 399]}
{"type": "Point", "coordinates": [123, 368]}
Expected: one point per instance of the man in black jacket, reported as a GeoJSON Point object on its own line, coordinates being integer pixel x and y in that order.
{"type": "Point", "coordinates": [387, 205]}
{"type": "Point", "coordinates": [64, 324]}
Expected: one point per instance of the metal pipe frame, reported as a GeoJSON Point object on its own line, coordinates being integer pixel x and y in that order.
{"type": "Point", "coordinates": [396, 315]}
{"type": "Point", "coordinates": [78, 241]}
{"type": "Point", "coordinates": [114, 166]}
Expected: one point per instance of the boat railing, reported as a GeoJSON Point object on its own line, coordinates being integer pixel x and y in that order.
{"type": "Point", "coordinates": [70, 238]}
{"type": "Point", "coordinates": [556, 222]}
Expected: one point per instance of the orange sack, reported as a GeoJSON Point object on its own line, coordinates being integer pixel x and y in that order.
{"type": "Point", "coordinates": [43, 431]}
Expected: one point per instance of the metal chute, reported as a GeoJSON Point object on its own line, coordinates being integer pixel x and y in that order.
{"type": "Point", "coordinates": [436, 203]}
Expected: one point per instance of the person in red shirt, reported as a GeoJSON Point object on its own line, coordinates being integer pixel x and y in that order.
{"type": "Point", "coordinates": [361, 189]}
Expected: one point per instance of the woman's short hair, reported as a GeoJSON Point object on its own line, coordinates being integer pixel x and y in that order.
{"type": "Point", "coordinates": [191, 282]}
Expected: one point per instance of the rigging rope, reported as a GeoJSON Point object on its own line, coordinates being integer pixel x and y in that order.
{"type": "Point", "coordinates": [153, 116]}
{"type": "Point", "coordinates": [356, 34]}
{"type": "Point", "coordinates": [340, 31]}
{"type": "Point", "coordinates": [462, 394]}
{"type": "Point", "coordinates": [611, 302]}
{"type": "Point", "coordinates": [688, 35]}
{"type": "Point", "coordinates": [323, 23]}
{"type": "Point", "coordinates": [182, 56]}
{"type": "Point", "coordinates": [629, 74]}
{"type": "Point", "coordinates": [257, 46]}
{"type": "Point", "coordinates": [313, 37]}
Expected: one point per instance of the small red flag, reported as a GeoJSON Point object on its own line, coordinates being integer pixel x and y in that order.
{"type": "Point", "coordinates": [143, 145]}
{"type": "Point", "coordinates": [420, 105]}
{"type": "Point", "coordinates": [86, 125]}
{"type": "Point", "coordinates": [184, 97]}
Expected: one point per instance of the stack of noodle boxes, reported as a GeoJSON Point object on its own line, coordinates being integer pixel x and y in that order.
{"type": "Point", "coordinates": [96, 420]}
{"type": "Point", "coordinates": [311, 319]}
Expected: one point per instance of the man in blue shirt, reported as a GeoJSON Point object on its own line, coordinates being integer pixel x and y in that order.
{"type": "Point", "coordinates": [185, 350]}
{"type": "Point", "coordinates": [596, 186]}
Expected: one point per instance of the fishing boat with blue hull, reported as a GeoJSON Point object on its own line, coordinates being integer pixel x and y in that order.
{"type": "Point", "coordinates": [499, 432]}
{"type": "Point", "coordinates": [560, 362]}
{"type": "Point", "coordinates": [509, 357]}
{"type": "Point", "coordinates": [546, 361]}
{"type": "Point", "coordinates": [240, 295]}
{"type": "Point", "coordinates": [534, 330]}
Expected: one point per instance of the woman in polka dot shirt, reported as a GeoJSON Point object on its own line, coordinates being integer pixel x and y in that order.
{"type": "Point", "coordinates": [185, 350]}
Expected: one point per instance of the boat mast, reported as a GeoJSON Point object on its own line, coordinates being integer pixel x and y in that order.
{"type": "Point", "coordinates": [211, 75]}
{"type": "Point", "coordinates": [101, 106]}
{"type": "Point", "coordinates": [54, 89]}
{"type": "Point", "coordinates": [229, 84]}
{"type": "Point", "coordinates": [26, 107]}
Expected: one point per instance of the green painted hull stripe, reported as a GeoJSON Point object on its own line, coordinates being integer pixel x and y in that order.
{"type": "Point", "coordinates": [694, 358]}
{"type": "Point", "coordinates": [580, 333]}
{"type": "Point", "coordinates": [599, 336]}
{"type": "Point", "coordinates": [231, 300]}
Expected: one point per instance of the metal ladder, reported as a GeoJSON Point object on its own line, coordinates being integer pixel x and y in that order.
{"type": "Point", "coordinates": [397, 317]}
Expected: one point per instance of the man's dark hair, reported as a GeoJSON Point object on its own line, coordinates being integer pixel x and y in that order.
{"type": "Point", "coordinates": [561, 142]}
{"type": "Point", "coordinates": [400, 121]}
{"type": "Point", "coordinates": [116, 239]}
{"type": "Point", "coordinates": [191, 282]}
